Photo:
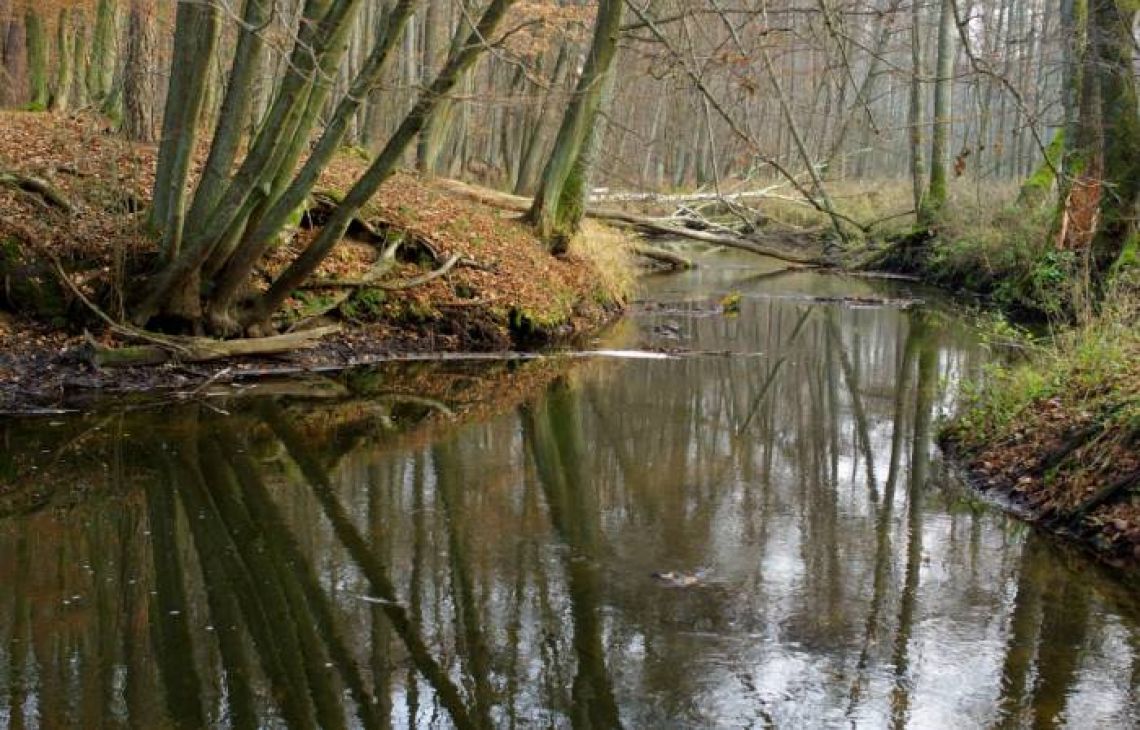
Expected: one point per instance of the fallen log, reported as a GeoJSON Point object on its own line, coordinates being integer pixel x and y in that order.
{"type": "Point", "coordinates": [643, 224]}
{"type": "Point", "coordinates": [742, 243]}
{"type": "Point", "coordinates": [631, 197]}
{"type": "Point", "coordinates": [199, 349]}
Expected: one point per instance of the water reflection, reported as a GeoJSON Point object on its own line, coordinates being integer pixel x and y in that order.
{"type": "Point", "coordinates": [357, 560]}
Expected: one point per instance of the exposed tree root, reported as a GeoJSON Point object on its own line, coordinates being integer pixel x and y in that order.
{"type": "Point", "coordinates": [385, 263]}
{"type": "Point", "coordinates": [200, 349]}
{"type": "Point", "coordinates": [40, 187]}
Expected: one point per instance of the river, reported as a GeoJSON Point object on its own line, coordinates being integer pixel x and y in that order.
{"type": "Point", "coordinates": [713, 521]}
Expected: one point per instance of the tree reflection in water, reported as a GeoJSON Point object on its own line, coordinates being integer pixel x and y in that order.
{"type": "Point", "coordinates": [359, 562]}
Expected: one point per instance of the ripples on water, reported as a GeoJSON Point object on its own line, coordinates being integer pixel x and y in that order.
{"type": "Point", "coordinates": [474, 544]}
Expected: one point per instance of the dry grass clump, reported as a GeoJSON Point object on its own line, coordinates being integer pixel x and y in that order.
{"type": "Point", "coordinates": [886, 205]}
{"type": "Point", "coordinates": [609, 252]}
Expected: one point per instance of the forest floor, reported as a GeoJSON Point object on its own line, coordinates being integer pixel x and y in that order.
{"type": "Point", "coordinates": [505, 291]}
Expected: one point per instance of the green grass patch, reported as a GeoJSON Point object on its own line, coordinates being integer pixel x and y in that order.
{"type": "Point", "coordinates": [1091, 372]}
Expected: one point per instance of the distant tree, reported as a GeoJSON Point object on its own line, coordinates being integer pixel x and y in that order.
{"type": "Point", "coordinates": [935, 198]}
{"type": "Point", "coordinates": [37, 58]}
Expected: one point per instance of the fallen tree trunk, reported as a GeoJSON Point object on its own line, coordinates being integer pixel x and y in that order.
{"type": "Point", "coordinates": [631, 197]}
{"type": "Point", "coordinates": [200, 349]}
{"type": "Point", "coordinates": [728, 240]}
{"type": "Point", "coordinates": [646, 224]}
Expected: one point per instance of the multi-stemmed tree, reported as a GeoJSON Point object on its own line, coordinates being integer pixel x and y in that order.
{"type": "Point", "coordinates": [216, 230]}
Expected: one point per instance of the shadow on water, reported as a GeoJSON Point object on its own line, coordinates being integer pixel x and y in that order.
{"type": "Point", "coordinates": [366, 559]}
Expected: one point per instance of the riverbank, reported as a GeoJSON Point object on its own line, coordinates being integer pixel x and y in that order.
{"type": "Point", "coordinates": [457, 275]}
{"type": "Point", "coordinates": [1058, 435]}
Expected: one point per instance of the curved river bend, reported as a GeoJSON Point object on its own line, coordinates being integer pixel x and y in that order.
{"type": "Point", "coordinates": [755, 532]}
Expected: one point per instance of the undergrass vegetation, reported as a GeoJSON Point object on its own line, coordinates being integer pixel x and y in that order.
{"type": "Point", "coordinates": [1059, 431]}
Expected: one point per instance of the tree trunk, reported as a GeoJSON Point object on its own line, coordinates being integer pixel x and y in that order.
{"type": "Point", "coordinates": [139, 93]}
{"type": "Point", "coordinates": [102, 63]}
{"type": "Point", "coordinates": [917, 116]}
{"type": "Point", "coordinates": [37, 59]}
{"type": "Point", "coordinates": [435, 22]}
{"type": "Point", "coordinates": [1118, 235]}
{"type": "Point", "coordinates": [940, 140]}
{"type": "Point", "coordinates": [1073, 42]}
{"type": "Point", "coordinates": [558, 202]}
{"type": "Point", "coordinates": [235, 108]}
{"type": "Point", "coordinates": [14, 62]}
{"type": "Point", "coordinates": [60, 98]}
{"type": "Point", "coordinates": [532, 156]}
{"type": "Point", "coordinates": [195, 36]}
{"type": "Point", "coordinates": [79, 58]}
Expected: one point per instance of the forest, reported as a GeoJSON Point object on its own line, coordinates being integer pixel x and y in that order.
{"type": "Point", "coordinates": [654, 275]}
{"type": "Point", "coordinates": [864, 119]}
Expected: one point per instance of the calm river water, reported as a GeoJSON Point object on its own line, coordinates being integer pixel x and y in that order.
{"type": "Point", "coordinates": [756, 532]}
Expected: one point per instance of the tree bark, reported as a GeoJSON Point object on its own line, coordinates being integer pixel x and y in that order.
{"type": "Point", "coordinates": [532, 154]}
{"type": "Point", "coordinates": [1118, 235]}
{"type": "Point", "coordinates": [60, 98]}
{"type": "Point", "coordinates": [235, 108]}
{"type": "Point", "coordinates": [37, 59]}
{"type": "Point", "coordinates": [14, 61]}
{"type": "Point", "coordinates": [435, 22]}
{"type": "Point", "coordinates": [195, 37]}
{"type": "Point", "coordinates": [139, 93]}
